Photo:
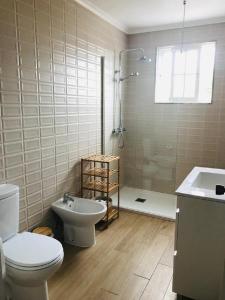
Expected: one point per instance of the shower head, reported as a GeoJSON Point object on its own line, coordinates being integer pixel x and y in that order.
{"type": "Point", "coordinates": [144, 58]}
{"type": "Point", "coordinates": [133, 74]}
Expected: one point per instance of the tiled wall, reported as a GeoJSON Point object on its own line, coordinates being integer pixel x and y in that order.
{"type": "Point", "coordinates": [50, 97]}
{"type": "Point", "coordinates": [165, 141]}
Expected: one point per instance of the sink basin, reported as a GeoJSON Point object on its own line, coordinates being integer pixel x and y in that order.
{"type": "Point", "coordinates": [201, 182]}
{"type": "Point", "coordinates": [207, 180]}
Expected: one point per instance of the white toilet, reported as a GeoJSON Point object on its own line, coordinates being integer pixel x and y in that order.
{"type": "Point", "coordinates": [79, 216]}
{"type": "Point", "coordinates": [30, 259]}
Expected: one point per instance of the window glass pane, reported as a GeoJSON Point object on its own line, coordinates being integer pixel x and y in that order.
{"type": "Point", "coordinates": [191, 61]}
{"type": "Point", "coordinates": [178, 86]}
{"type": "Point", "coordinates": [163, 75]}
{"type": "Point", "coordinates": [179, 62]}
{"type": "Point", "coordinates": [207, 56]}
{"type": "Point", "coordinates": [190, 86]}
{"type": "Point", "coordinates": [185, 76]}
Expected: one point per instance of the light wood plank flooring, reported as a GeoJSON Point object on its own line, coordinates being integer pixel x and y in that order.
{"type": "Point", "coordinates": [131, 260]}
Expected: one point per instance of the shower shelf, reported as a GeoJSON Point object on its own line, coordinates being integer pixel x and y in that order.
{"type": "Point", "coordinates": [99, 166]}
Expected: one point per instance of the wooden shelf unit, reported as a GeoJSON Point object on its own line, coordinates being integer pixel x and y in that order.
{"type": "Point", "coordinates": [99, 186]}
{"type": "Point", "coordinates": [99, 172]}
{"type": "Point", "coordinates": [112, 215]}
{"type": "Point", "coordinates": [101, 158]}
{"type": "Point", "coordinates": [98, 176]}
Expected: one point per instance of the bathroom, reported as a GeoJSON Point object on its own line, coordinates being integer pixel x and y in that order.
{"type": "Point", "coordinates": [81, 78]}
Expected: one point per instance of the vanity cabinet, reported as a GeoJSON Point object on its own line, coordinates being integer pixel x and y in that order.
{"type": "Point", "coordinates": [199, 248]}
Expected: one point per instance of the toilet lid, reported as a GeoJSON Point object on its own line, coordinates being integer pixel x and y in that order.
{"type": "Point", "coordinates": [31, 250]}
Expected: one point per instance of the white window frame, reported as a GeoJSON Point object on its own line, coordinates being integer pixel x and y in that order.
{"type": "Point", "coordinates": [174, 48]}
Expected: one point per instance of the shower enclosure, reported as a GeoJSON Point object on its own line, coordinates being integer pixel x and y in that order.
{"type": "Point", "coordinates": [147, 136]}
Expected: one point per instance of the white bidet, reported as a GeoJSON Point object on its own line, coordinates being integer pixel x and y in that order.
{"type": "Point", "coordinates": [79, 216]}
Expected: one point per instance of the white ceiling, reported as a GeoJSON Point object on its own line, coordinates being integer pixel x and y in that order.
{"type": "Point", "coordinates": [133, 16]}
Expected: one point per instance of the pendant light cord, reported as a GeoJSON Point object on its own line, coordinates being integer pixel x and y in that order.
{"type": "Point", "coordinates": [183, 25]}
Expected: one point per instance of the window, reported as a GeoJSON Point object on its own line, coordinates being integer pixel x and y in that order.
{"type": "Point", "coordinates": [185, 76]}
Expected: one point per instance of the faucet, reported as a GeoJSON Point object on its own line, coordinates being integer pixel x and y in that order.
{"type": "Point", "coordinates": [68, 197]}
{"type": "Point", "coordinates": [220, 189]}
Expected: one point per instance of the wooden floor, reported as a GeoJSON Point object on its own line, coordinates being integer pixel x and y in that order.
{"type": "Point", "coordinates": [131, 260]}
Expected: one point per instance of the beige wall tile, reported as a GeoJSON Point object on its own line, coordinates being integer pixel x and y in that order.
{"type": "Point", "coordinates": [182, 136]}
{"type": "Point", "coordinates": [43, 104]}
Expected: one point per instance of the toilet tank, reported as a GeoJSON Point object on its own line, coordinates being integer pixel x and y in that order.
{"type": "Point", "coordinates": [9, 210]}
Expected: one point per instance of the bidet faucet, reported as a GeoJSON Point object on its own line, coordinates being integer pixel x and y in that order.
{"type": "Point", "coordinates": [67, 197]}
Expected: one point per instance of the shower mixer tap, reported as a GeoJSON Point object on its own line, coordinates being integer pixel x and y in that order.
{"type": "Point", "coordinates": [119, 130]}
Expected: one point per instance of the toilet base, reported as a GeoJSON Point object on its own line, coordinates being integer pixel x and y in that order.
{"type": "Point", "coordinates": [79, 236]}
{"type": "Point", "coordinates": [20, 292]}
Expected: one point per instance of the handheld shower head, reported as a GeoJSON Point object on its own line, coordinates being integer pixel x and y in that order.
{"type": "Point", "coordinates": [133, 74]}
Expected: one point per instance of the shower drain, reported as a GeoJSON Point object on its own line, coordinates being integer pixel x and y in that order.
{"type": "Point", "coordinates": [140, 200]}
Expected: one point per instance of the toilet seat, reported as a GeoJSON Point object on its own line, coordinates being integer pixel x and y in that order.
{"type": "Point", "coordinates": [30, 251]}
{"type": "Point", "coordinates": [35, 268]}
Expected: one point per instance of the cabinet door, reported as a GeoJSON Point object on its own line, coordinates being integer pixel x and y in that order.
{"type": "Point", "coordinates": [200, 246]}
